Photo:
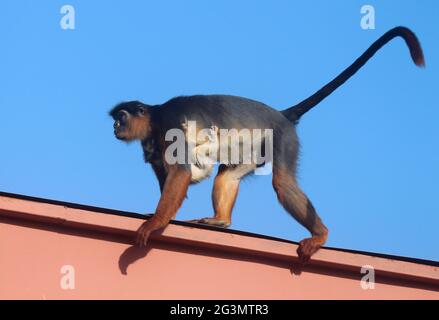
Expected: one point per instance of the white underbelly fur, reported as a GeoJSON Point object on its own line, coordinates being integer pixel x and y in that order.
{"type": "Point", "coordinates": [202, 163]}
{"type": "Point", "coordinates": [200, 173]}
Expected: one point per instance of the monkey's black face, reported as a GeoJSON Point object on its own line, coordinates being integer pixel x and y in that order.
{"type": "Point", "coordinates": [131, 121]}
{"type": "Point", "coordinates": [120, 124]}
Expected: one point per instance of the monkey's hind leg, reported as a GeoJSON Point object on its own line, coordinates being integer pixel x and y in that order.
{"type": "Point", "coordinates": [301, 208]}
{"type": "Point", "coordinates": [225, 191]}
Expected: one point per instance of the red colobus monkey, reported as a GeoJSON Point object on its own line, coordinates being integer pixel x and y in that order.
{"type": "Point", "coordinates": [149, 124]}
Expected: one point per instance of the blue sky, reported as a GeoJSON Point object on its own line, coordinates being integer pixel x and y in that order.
{"type": "Point", "coordinates": [369, 152]}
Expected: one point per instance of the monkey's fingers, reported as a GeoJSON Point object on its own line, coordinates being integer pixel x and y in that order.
{"type": "Point", "coordinates": [142, 236]}
{"type": "Point", "coordinates": [212, 222]}
{"type": "Point", "coordinates": [145, 238]}
{"type": "Point", "coordinates": [142, 239]}
{"type": "Point", "coordinates": [193, 221]}
{"type": "Point", "coordinates": [139, 239]}
{"type": "Point", "coordinates": [307, 248]}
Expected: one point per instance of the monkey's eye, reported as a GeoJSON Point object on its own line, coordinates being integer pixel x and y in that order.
{"type": "Point", "coordinates": [121, 116]}
{"type": "Point", "coordinates": [141, 111]}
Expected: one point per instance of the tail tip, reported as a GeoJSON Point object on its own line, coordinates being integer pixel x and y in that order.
{"type": "Point", "coordinates": [420, 62]}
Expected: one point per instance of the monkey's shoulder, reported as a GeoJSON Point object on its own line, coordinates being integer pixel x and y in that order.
{"type": "Point", "coordinates": [151, 150]}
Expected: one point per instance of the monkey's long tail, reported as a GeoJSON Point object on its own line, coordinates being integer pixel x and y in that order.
{"type": "Point", "coordinates": [295, 112]}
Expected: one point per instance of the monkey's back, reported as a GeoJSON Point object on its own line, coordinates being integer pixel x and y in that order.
{"type": "Point", "coordinates": [223, 111]}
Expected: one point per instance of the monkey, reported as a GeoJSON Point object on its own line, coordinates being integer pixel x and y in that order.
{"type": "Point", "coordinates": [135, 120]}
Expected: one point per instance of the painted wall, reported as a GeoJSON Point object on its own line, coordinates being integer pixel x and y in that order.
{"type": "Point", "coordinates": [43, 246]}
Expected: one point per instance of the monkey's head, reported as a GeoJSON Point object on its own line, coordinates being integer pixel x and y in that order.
{"type": "Point", "coordinates": [132, 121]}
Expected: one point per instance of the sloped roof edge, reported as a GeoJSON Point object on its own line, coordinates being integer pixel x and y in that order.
{"type": "Point", "coordinates": [121, 223]}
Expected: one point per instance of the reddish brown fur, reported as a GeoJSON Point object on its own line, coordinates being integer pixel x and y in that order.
{"type": "Point", "coordinates": [299, 206]}
{"type": "Point", "coordinates": [174, 192]}
{"type": "Point", "coordinates": [225, 191]}
{"type": "Point", "coordinates": [139, 127]}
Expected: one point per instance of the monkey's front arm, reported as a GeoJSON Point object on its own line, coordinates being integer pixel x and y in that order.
{"type": "Point", "coordinates": [174, 192]}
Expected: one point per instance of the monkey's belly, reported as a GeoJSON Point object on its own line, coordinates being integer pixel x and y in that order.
{"type": "Point", "coordinates": [201, 162]}
{"type": "Point", "coordinates": [200, 172]}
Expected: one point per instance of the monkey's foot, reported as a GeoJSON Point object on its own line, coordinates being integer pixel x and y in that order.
{"type": "Point", "coordinates": [212, 221]}
{"type": "Point", "coordinates": [309, 246]}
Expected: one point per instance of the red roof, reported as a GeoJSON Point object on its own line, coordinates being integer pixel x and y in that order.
{"type": "Point", "coordinates": [40, 237]}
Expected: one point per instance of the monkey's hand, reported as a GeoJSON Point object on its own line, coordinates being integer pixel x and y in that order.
{"type": "Point", "coordinates": [143, 234]}
{"type": "Point", "coordinates": [174, 191]}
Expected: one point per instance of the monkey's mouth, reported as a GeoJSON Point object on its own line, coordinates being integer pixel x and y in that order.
{"type": "Point", "coordinates": [118, 135]}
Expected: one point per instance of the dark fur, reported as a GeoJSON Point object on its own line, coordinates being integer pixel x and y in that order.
{"type": "Point", "coordinates": [227, 112]}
